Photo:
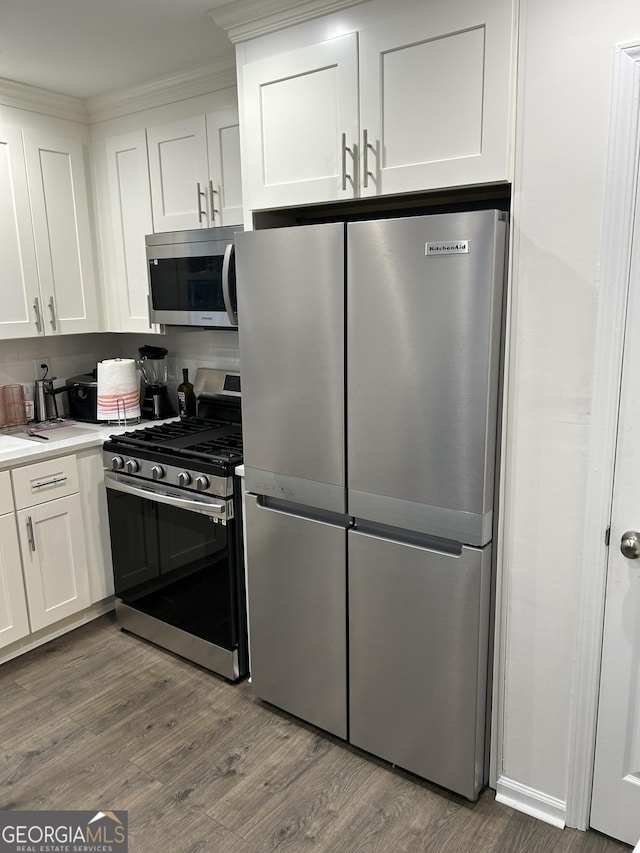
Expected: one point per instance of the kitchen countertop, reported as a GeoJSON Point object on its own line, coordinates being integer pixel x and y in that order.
{"type": "Point", "coordinates": [21, 451]}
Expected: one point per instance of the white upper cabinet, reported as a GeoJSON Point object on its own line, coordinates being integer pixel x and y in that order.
{"type": "Point", "coordinates": [129, 222]}
{"type": "Point", "coordinates": [414, 101]}
{"type": "Point", "coordinates": [179, 174]}
{"type": "Point", "coordinates": [300, 112]}
{"type": "Point", "coordinates": [225, 181]}
{"type": "Point", "coordinates": [21, 291]}
{"type": "Point", "coordinates": [435, 94]}
{"type": "Point", "coordinates": [60, 211]}
{"type": "Point", "coordinates": [46, 252]}
{"type": "Point", "coordinates": [190, 162]}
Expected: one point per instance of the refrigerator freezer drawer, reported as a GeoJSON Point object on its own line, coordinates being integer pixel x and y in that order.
{"type": "Point", "coordinates": [297, 614]}
{"type": "Point", "coordinates": [418, 629]}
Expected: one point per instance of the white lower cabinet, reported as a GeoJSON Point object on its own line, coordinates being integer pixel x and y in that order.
{"type": "Point", "coordinates": [14, 622]}
{"type": "Point", "coordinates": [52, 543]}
{"type": "Point", "coordinates": [54, 560]}
{"type": "Point", "coordinates": [95, 523]}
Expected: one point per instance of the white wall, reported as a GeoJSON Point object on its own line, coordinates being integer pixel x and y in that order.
{"type": "Point", "coordinates": [71, 355]}
{"type": "Point", "coordinates": [567, 66]}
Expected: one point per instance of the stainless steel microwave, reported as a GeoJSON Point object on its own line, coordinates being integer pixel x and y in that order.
{"type": "Point", "coordinates": [192, 277]}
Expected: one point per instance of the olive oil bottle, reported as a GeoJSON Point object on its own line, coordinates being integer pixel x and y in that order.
{"type": "Point", "coordinates": [186, 397]}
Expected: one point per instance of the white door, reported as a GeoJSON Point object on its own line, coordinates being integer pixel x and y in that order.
{"type": "Point", "coordinates": [61, 225]}
{"type": "Point", "coordinates": [20, 297]}
{"type": "Point", "coordinates": [14, 623]}
{"type": "Point", "coordinates": [451, 125]}
{"type": "Point", "coordinates": [225, 179]}
{"type": "Point", "coordinates": [54, 559]}
{"type": "Point", "coordinates": [179, 174]}
{"type": "Point", "coordinates": [130, 220]}
{"type": "Point", "coordinates": [616, 791]}
{"type": "Point", "coordinates": [300, 133]}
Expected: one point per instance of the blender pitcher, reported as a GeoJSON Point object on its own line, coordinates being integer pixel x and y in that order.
{"type": "Point", "coordinates": [155, 399]}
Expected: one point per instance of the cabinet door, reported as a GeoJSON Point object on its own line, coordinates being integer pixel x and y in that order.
{"type": "Point", "coordinates": [130, 220]}
{"type": "Point", "coordinates": [225, 179]}
{"type": "Point", "coordinates": [179, 174]}
{"type": "Point", "coordinates": [435, 97]}
{"type": "Point", "coordinates": [19, 305]}
{"type": "Point", "coordinates": [14, 622]}
{"type": "Point", "coordinates": [297, 106]}
{"type": "Point", "coordinates": [60, 207]}
{"type": "Point", "coordinates": [54, 560]}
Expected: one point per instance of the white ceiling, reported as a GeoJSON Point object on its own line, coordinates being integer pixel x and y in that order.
{"type": "Point", "coordinates": [88, 47]}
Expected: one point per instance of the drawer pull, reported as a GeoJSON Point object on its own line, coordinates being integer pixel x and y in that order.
{"type": "Point", "coordinates": [52, 482]}
{"type": "Point", "coordinates": [30, 536]}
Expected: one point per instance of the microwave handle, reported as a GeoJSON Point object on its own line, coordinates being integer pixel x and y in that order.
{"type": "Point", "coordinates": [226, 294]}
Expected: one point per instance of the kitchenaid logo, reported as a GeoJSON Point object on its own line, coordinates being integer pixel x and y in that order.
{"type": "Point", "coordinates": [447, 247]}
{"type": "Point", "coordinates": [263, 488]}
{"type": "Point", "coordinates": [63, 832]}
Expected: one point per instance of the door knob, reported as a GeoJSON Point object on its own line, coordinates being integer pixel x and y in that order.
{"type": "Point", "coordinates": [630, 544]}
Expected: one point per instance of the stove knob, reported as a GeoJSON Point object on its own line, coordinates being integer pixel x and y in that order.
{"type": "Point", "coordinates": [157, 472]}
{"type": "Point", "coordinates": [117, 463]}
{"type": "Point", "coordinates": [131, 466]}
{"type": "Point", "coordinates": [202, 483]}
{"type": "Point", "coordinates": [184, 478]}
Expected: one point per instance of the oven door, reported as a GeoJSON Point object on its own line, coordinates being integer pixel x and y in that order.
{"type": "Point", "coordinates": [176, 565]}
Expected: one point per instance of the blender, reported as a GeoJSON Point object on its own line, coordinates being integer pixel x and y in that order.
{"type": "Point", "coordinates": [155, 398]}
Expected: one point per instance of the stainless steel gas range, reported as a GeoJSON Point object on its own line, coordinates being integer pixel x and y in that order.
{"type": "Point", "coordinates": [176, 531]}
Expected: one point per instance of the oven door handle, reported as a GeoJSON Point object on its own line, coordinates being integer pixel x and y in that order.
{"type": "Point", "coordinates": [214, 508]}
{"type": "Point", "coordinates": [226, 291]}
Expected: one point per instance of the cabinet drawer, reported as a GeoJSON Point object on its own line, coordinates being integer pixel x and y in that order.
{"type": "Point", "coordinates": [45, 481]}
{"type": "Point", "coordinates": [6, 498]}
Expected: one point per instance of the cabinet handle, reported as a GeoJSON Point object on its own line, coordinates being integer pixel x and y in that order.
{"type": "Point", "coordinates": [30, 536]}
{"type": "Point", "coordinates": [201, 212]}
{"type": "Point", "coordinates": [345, 148]}
{"type": "Point", "coordinates": [212, 193]}
{"type": "Point", "coordinates": [51, 482]}
{"type": "Point", "coordinates": [36, 308]}
{"type": "Point", "coordinates": [366, 145]}
{"type": "Point", "coordinates": [52, 308]}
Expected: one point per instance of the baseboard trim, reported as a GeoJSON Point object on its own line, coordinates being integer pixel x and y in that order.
{"type": "Point", "coordinates": [531, 802]}
{"type": "Point", "coordinates": [32, 641]}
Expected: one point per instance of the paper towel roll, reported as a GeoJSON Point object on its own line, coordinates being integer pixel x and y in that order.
{"type": "Point", "coordinates": [118, 390]}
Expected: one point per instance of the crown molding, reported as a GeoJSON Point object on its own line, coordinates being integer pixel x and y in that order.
{"type": "Point", "coordinates": [164, 90]}
{"type": "Point", "coordinates": [25, 97]}
{"type": "Point", "coordinates": [247, 19]}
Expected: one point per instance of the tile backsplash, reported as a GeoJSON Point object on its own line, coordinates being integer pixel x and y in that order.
{"type": "Point", "coordinates": [71, 355]}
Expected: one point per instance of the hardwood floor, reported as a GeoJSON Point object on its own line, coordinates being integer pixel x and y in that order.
{"type": "Point", "coordinates": [100, 719]}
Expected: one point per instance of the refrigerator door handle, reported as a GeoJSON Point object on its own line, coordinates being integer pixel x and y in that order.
{"type": "Point", "coordinates": [446, 547]}
{"type": "Point", "coordinates": [226, 292]}
{"type": "Point", "coordinates": [301, 511]}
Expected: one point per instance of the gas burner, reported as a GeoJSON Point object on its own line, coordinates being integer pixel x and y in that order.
{"type": "Point", "coordinates": [176, 453]}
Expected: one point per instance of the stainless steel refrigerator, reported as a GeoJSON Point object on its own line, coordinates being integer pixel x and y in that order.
{"type": "Point", "coordinates": [370, 358]}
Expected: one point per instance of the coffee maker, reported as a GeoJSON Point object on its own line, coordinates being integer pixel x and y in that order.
{"type": "Point", "coordinates": [155, 397]}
